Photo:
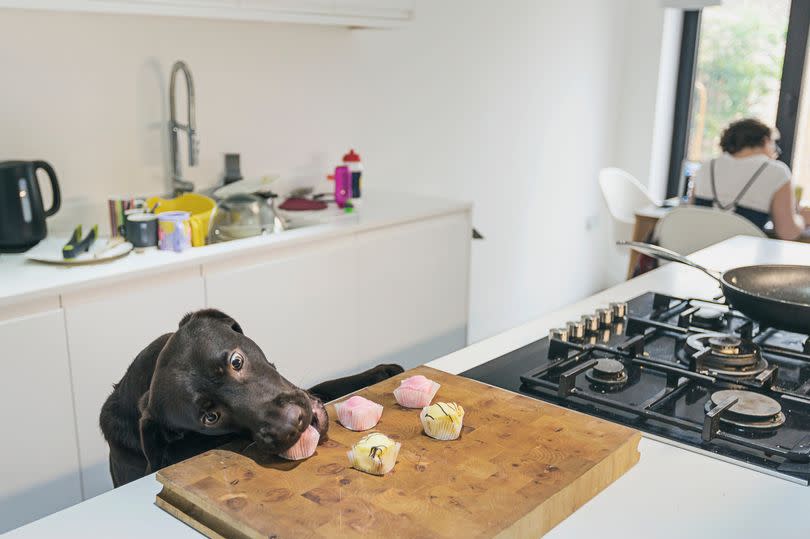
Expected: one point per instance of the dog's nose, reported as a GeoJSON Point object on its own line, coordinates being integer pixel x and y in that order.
{"type": "Point", "coordinates": [294, 415]}
{"type": "Point", "coordinates": [285, 425]}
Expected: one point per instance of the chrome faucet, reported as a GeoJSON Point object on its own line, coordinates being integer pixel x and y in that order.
{"type": "Point", "coordinates": [180, 184]}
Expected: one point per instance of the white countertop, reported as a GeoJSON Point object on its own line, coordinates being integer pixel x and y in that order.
{"type": "Point", "coordinates": [22, 280]}
{"type": "Point", "coordinates": [670, 493]}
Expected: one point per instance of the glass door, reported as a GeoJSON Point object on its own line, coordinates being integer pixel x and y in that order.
{"type": "Point", "coordinates": [741, 49]}
{"type": "Point", "coordinates": [743, 58]}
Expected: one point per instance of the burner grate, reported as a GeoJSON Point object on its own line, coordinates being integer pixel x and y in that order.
{"type": "Point", "coordinates": [642, 371]}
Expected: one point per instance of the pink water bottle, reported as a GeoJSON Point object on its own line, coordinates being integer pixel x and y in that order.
{"type": "Point", "coordinates": [343, 185]}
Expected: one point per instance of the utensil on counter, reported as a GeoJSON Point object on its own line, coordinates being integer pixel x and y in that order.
{"type": "Point", "coordinates": [302, 204]}
{"type": "Point", "coordinates": [141, 230]}
{"type": "Point", "coordinates": [241, 216]}
{"type": "Point", "coordinates": [77, 245]}
{"type": "Point", "coordinates": [776, 295]}
{"type": "Point", "coordinates": [118, 207]}
{"type": "Point", "coordinates": [109, 245]}
{"type": "Point", "coordinates": [246, 187]}
{"type": "Point", "coordinates": [301, 192]}
{"type": "Point", "coordinates": [22, 214]}
{"type": "Point", "coordinates": [233, 172]}
{"type": "Point", "coordinates": [174, 231]}
{"type": "Point", "coordinates": [49, 251]}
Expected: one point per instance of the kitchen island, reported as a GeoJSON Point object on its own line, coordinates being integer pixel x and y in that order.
{"type": "Point", "coordinates": [670, 493]}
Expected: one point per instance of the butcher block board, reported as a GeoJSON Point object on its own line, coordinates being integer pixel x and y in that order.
{"type": "Point", "coordinates": [520, 467]}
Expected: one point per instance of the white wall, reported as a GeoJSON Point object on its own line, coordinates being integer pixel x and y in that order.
{"type": "Point", "coordinates": [646, 104]}
{"type": "Point", "coordinates": [514, 108]}
{"type": "Point", "coordinates": [513, 105]}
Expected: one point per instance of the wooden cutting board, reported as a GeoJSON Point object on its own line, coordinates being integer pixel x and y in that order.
{"type": "Point", "coordinates": [520, 467]}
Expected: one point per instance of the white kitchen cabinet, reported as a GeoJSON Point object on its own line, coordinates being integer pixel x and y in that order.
{"type": "Point", "coordinates": [40, 464]}
{"type": "Point", "coordinates": [107, 327]}
{"type": "Point", "coordinates": [413, 290]}
{"type": "Point", "coordinates": [297, 305]}
{"type": "Point", "coordinates": [353, 13]}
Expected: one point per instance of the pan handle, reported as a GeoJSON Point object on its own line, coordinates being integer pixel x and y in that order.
{"type": "Point", "coordinates": [663, 253]}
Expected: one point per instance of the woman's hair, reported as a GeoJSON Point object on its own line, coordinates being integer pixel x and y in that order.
{"type": "Point", "coordinates": [747, 133]}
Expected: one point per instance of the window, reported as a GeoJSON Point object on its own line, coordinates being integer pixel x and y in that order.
{"type": "Point", "coordinates": [740, 59]}
{"type": "Point", "coordinates": [741, 48]}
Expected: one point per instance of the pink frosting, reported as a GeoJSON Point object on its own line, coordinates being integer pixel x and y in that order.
{"type": "Point", "coordinates": [356, 402]}
{"type": "Point", "coordinates": [358, 413]}
{"type": "Point", "coordinates": [417, 383]}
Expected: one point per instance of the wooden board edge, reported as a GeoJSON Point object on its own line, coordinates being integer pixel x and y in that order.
{"type": "Point", "coordinates": [185, 511]}
{"type": "Point", "coordinates": [558, 507]}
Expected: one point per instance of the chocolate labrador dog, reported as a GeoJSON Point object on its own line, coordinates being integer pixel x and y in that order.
{"type": "Point", "coordinates": [203, 386]}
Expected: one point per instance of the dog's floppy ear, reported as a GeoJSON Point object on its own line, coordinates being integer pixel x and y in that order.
{"type": "Point", "coordinates": [153, 444]}
{"type": "Point", "coordinates": [216, 315]}
{"type": "Point", "coordinates": [154, 437]}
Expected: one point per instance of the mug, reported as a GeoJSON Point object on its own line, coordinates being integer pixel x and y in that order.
{"type": "Point", "coordinates": [174, 231]}
{"type": "Point", "coordinates": [141, 229]}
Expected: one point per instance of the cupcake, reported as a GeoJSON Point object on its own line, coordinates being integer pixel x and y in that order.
{"type": "Point", "coordinates": [304, 447]}
{"type": "Point", "coordinates": [358, 413]}
{"type": "Point", "coordinates": [442, 420]}
{"type": "Point", "coordinates": [416, 391]}
{"type": "Point", "coordinates": [375, 454]}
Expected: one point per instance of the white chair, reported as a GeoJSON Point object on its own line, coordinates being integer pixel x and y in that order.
{"type": "Point", "coordinates": [688, 229]}
{"type": "Point", "coordinates": [623, 194]}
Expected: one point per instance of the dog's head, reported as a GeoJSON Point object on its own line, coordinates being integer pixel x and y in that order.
{"type": "Point", "coordinates": [211, 379]}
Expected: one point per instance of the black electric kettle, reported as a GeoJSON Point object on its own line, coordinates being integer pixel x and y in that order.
{"type": "Point", "coordinates": [22, 216]}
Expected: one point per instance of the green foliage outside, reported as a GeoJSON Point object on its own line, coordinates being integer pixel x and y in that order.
{"type": "Point", "coordinates": [741, 49]}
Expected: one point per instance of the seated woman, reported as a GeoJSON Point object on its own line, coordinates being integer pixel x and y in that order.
{"type": "Point", "coordinates": [748, 180]}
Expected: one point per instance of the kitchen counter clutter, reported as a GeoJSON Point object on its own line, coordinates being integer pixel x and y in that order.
{"type": "Point", "coordinates": [387, 284]}
{"type": "Point", "coordinates": [670, 493]}
{"type": "Point", "coordinates": [21, 280]}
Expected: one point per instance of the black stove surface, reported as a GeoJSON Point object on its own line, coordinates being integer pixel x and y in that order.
{"type": "Point", "coordinates": [686, 370]}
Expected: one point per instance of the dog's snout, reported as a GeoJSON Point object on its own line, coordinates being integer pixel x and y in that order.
{"type": "Point", "coordinates": [284, 425]}
{"type": "Point", "coordinates": [295, 416]}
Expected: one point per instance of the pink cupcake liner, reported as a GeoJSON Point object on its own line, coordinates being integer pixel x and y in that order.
{"type": "Point", "coordinates": [411, 397]}
{"type": "Point", "coordinates": [358, 413]}
{"type": "Point", "coordinates": [304, 447]}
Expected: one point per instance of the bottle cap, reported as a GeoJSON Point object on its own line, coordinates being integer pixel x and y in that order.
{"type": "Point", "coordinates": [351, 157]}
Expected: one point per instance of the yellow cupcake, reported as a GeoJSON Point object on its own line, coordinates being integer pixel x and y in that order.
{"type": "Point", "coordinates": [442, 420]}
{"type": "Point", "coordinates": [375, 454]}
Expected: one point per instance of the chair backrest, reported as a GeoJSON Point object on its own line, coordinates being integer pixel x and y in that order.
{"type": "Point", "coordinates": [688, 229]}
{"type": "Point", "coordinates": [623, 194]}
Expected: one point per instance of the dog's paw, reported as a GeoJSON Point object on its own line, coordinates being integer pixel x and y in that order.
{"type": "Point", "coordinates": [385, 371]}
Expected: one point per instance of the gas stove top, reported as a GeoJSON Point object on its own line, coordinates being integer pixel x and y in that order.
{"type": "Point", "coordinates": [686, 371]}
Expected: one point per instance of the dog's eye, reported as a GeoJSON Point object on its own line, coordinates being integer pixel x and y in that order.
{"type": "Point", "coordinates": [237, 361]}
{"type": "Point", "coordinates": [209, 418]}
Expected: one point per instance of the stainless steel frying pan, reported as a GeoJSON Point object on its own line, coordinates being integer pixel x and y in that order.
{"type": "Point", "coordinates": [773, 294]}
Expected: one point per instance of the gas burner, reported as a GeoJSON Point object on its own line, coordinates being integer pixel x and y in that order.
{"type": "Point", "coordinates": [727, 346]}
{"type": "Point", "coordinates": [728, 355]}
{"type": "Point", "coordinates": [689, 370]}
{"type": "Point", "coordinates": [752, 412]}
{"type": "Point", "coordinates": [708, 318]}
{"type": "Point", "coordinates": [608, 374]}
